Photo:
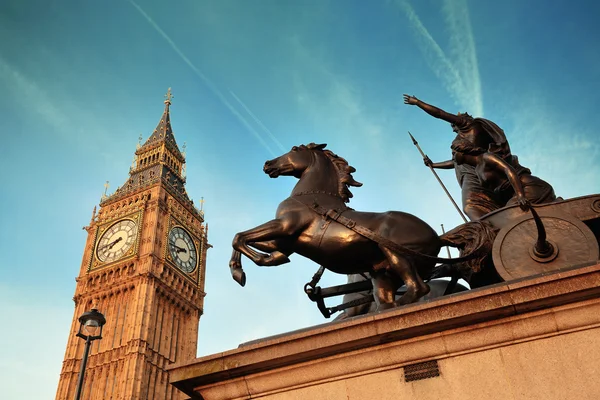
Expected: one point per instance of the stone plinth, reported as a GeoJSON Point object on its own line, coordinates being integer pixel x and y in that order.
{"type": "Point", "coordinates": [538, 338]}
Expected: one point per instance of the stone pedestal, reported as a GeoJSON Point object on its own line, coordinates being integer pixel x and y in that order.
{"type": "Point", "coordinates": [537, 338]}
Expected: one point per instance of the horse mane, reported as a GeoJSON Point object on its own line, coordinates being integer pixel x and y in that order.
{"type": "Point", "coordinates": [344, 171]}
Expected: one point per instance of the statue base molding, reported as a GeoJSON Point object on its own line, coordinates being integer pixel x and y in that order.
{"type": "Point", "coordinates": [532, 338]}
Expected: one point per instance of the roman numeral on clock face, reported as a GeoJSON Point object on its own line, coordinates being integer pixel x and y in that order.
{"type": "Point", "coordinates": [182, 249]}
{"type": "Point", "coordinates": [116, 240]}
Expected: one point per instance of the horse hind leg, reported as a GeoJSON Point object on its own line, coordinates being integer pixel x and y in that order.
{"type": "Point", "coordinates": [404, 269]}
{"type": "Point", "coordinates": [235, 265]}
{"type": "Point", "coordinates": [384, 290]}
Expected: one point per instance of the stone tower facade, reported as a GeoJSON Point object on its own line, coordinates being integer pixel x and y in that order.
{"type": "Point", "coordinates": [143, 268]}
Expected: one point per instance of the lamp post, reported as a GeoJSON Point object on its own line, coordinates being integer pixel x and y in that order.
{"type": "Point", "coordinates": [90, 329]}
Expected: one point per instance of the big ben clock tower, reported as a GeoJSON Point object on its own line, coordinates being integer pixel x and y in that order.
{"type": "Point", "coordinates": [143, 268]}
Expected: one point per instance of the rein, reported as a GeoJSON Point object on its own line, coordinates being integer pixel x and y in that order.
{"type": "Point", "coordinates": [335, 215]}
{"type": "Point", "coordinates": [316, 192]}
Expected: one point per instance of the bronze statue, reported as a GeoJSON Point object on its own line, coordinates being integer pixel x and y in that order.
{"type": "Point", "coordinates": [438, 288]}
{"type": "Point", "coordinates": [395, 248]}
{"type": "Point", "coordinates": [489, 175]}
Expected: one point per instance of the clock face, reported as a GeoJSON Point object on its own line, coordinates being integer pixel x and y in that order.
{"type": "Point", "coordinates": [182, 250]}
{"type": "Point", "coordinates": [116, 241]}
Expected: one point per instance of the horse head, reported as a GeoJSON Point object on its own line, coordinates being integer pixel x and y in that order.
{"type": "Point", "coordinates": [330, 172]}
{"type": "Point", "coordinates": [292, 163]}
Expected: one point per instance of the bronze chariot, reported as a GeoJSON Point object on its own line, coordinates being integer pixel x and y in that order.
{"type": "Point", "coordinates": [392, 258]}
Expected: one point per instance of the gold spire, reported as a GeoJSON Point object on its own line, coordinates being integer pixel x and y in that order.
{"type": "Point", "coordinates": [163, 131]}
{"type": "Point", "coordinates": [168, 97]}
{"type": "Point", "coordinates": [105, 189]}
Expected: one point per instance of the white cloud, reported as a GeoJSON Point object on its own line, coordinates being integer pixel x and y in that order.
{"type": "Point", "coordinates": [458, 72]}
{"type": "Point", "coordinates": [68, 120]}
{"type": "Point", "coordinates": [464, 53]}
{"type": "Point", "coordinates": [34, 97]}
{"type": "Point", "coordinates": [556, 149]}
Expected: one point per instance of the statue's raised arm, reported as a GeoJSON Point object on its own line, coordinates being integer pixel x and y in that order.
{"type": "Point", "coordinates": [432, 110]}
{"type": "Point", "coordinates": [486, 182]}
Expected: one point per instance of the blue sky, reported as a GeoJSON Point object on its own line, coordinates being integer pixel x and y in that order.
{"type": "Point", "coordinates": [80, 81]}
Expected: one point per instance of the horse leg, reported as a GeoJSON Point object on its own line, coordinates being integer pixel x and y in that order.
{"type": "Point", "coordinates": [384, 290]}
{"type": "Point", "coordinates": [404, 269]}
{"type": "Point", "coordinates": [236, 259]}
{"type": "Point", "coordinates": [275, 257]}
{"type": "Point", "coordinates": [235, 265]}
{"type": "Point", "coordinates": [262, 233]}
{"type": "Point", "coordinates": [275, 254]}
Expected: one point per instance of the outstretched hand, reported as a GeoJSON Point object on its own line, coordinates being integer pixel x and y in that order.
{"type": "Point", "coordinates": [412, 100]}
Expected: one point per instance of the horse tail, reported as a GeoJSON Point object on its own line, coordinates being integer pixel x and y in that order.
{"type": "Point", "coordinates": [474, 240]}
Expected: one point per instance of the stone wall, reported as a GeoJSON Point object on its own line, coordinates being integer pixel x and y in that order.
{"type": "Point", "coordinates": [531, 339]}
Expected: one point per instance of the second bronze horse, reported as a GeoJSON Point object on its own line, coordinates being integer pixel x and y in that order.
{"type": "Point", "coordinates": [396, 248]}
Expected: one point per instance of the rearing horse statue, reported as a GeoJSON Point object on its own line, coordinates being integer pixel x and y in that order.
{"type": "Point", "coordinates": [394, 247]}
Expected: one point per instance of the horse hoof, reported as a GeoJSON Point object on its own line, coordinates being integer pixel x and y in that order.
{"type": "Point", "coordinates": [385, 306]}
{"type": "Point", "coordinates": [239, 276]}
{"type": "Point", "coordinates": [407, 298]}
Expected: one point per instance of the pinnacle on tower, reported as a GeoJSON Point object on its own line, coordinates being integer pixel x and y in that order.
{"type": "Point", "coordinates": [163, 131]}
{"type": "Point", "coordinates": [157, 160]}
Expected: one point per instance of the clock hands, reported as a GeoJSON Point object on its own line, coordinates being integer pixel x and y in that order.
{"type": "Point", "coordinates": [111, 244]}
{"type": "Point", "coordinates": [179, 249]}
{"type": "Point", "coordinates": [115, 242]}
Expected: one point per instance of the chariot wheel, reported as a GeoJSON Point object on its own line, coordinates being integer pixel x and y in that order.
{"type": "Point", "coordinates": [570, 241]}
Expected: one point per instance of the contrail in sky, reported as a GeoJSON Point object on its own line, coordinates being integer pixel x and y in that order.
{"type": "Point", "coordinates": [464, 53]}
{"type": "Point", "coordinates": [35, 96]}
{"type": "Point", "coordinates": [258, 121]}
{"type": "Point", "coordinates": [459, 73]}
{"type": "Point", "coordinates": [208, 82]}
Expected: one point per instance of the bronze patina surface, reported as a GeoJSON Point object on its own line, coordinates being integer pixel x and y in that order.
{"type": "Point", "coordinates": [489, 174]}
{"type": "Point", "coordinates": [518, 226]}
{"type": "Point", "coordinates": [395, 248]}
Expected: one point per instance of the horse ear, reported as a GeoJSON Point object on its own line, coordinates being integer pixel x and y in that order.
{"type": "Point", "coordinates": [352, 182]}
{"type": "Point", "coordinates": [321, 146]}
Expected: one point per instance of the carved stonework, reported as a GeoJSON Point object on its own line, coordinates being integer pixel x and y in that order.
{"type": "Point", "coordinates": [152, 307]}
{"type": "Point", "coordinates": [94, 261]}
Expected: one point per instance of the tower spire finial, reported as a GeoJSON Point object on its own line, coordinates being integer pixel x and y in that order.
{"type": "Point", "coordinates": [168, 97]}
{"type": "Point", "coordinates": [104, 196]}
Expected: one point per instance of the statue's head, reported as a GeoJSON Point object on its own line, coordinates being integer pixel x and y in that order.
{"type": "Point", "coordinates": [464, 146]}
{"type": "Point", "coordinates": [466, 116]}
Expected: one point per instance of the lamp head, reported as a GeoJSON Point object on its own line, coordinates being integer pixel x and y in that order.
{"type": "Point", "coordinates": [91, 323]}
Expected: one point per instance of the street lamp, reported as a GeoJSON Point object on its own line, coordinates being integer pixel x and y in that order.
{"type": "Point", "coordinates": [90, 329]}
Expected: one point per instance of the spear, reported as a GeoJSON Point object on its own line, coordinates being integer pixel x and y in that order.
{"type": "Point", "coordinates": [447, 248]}
{"type": "Point", "coordinates": [438, 178]}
